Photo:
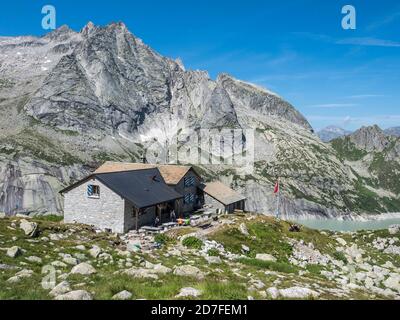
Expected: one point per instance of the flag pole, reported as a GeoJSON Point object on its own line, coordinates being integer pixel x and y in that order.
{"type": "Point", "coordinates": [277, 198]}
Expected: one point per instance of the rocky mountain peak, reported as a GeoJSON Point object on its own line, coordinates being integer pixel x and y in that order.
{"type": "Point", "coordinates": [60, 34]}
{"type": "Point", "coordinates": [88, 29]}
{"type": "Point", "coordinates": [249, 96]}
{"type": "Point", "coordinates": [371, 138]}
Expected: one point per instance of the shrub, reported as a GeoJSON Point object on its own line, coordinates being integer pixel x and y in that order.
{"type": "Point", "coordinates": [192, 242]}
{"type": "Point", "coordinates": [270, 265]}
{"type": "Point", "coordinates": [161, 238]}
{"type": "Point", "coordinates": [213, 252]}
{"type": "Point", "coordinates": [340, 256]}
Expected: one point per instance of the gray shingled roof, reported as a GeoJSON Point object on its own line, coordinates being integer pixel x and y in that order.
{"type": "Point", "coordinates": [222, 193]}
{"type": "Point", "coordinates": [143, 188]}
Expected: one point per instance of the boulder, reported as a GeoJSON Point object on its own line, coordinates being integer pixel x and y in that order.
{"type": "Point", "coordinates": [392, 249]}
{"type": "Point", "coordinates": [245, 249]}
{"type": "Point", "coordinates": [188, 292]}
{"type": "Point", "coordinates": [80, 247]}
{"type": "Point", "coordinates": [71, 260]}
{"type": "Point", "coordinates": [75, 295]}
{"type": "Point", "coordinates": [95, 251]}
{"type": "Point", "coordinates": [30, 228]}
{"type": "Point", "coordinates": [123, 295]}
{"type": "Point", "coordinates": [393, 282]}
{"type": "Point", "coordinates": [134, 246]}
{"type": "Point", "coordinates": [213, 260]}
{"type": "Point", "coordinates": [21, 215]}
{"type": "Point", "coordinates": [80, 256]}
{"type": "Point", "coordinates": [174, 252]}
{"type": "Point", "coordinates": [394, 229]}
{"type": "Point", "coordinates": [58, 264]}
{"type": "Point", "coordinates": [160, 269]}
{"type": "Point", "coordinates": [14, 252]}
{"type": "Point", "coordinates": [265, 257]}
{"type": "Point", "coordinates": [141, 273]}
{"type": "Point", "coordinates": [273, 292]}
{"type": "Point", "coordinates": [341, 241]}
{"type": "Point", "coordinates": [56, 236]}
{"type": "Point", "coordinates": [84, 269]}
{"type": "Point", "coordinates": [257, 284]}
{"type": "Point", "coordinates": [25, 273]}
{"type": "Point", "coordinates": [34, 259]}
{"type": "Point", "coordinates": [2, 215]}
{"type": "Point", "coordinates": [123, 253]}
{"type": "Point", "coordinates": [61, 288]}
{"type": "Point", "coordinates": [7, 267]}
{"type": "Point", "coordinates": [389, 265]}
{"type": "Point", "coordinates": [243, 230]}
{"type": "Point", "coordinates": [354, 253]}
{"type": "Point", "coordinates": [298, 293]}
{"type": "Point", "coordinates": [189, 271]}
{"type": "Point", "coordinates": [105, 256]}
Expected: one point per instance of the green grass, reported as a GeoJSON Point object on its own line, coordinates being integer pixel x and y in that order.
{"type": "Point", "coordinates": [269, 265]}
{"type": "Point", "coordinates": [340, 256]}
{"type": "Point", "coordinates": [228, 280]}
{"type": "Point", "coordinates": [51, 218]}
{"type": "Point", "coordinates": [29, 142]}
{"type": "Point", "coordinates": [223, 291]}
{"type": "Point", "coordinates": [213, 252]}
{"type": "Point", "coordinates": [163, 239]}
{"type": "Point", "coordinates": [347, 150]}
{"type": "Point", "coordinates": [192, 243]}
{"type": "Point", "coordinates": [267, 235]}
{"type": "Point", "coordinates": [387, 172]}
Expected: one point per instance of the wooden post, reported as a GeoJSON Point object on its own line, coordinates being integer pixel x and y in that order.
{"type": "Point", "coordinates": [137, 219]}
{"type": "Point", "coordinates": [159, 212]}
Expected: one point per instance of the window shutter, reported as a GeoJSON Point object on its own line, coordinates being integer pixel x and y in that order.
{"type": "Point", "coordinates": [90, 190]}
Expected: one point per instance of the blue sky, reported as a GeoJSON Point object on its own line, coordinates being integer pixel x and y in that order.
{"type": "Point", "coordinates": [296, 48]}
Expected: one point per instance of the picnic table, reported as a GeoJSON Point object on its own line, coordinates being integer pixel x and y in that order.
{"type": "Point", "coordinates": [169, 225]}
{"type": "Point", "coordinates": [151, 229]}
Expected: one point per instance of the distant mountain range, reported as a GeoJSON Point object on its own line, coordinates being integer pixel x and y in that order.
{"type": "Point", "coordinates": [330, 133]}
{"type": "Point", "coordinates": [395, 131]}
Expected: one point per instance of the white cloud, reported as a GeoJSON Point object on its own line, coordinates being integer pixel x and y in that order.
{"type": "Point", "coordinates": [359, 41]}
{"type": "Point", "coordinates": [384, 21]}
{"type": "Point", "coordinates": [365, 96]}
{"type": "Point", "coordinates": [334, 105]}
{"type": "Point", "coordinates": [371, 42]}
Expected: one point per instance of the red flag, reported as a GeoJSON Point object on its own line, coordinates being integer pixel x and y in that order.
{"type": "Point", "coordinates": [276, 189]}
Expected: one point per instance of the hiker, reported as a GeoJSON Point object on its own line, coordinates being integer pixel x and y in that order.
{"type": "Point", "coordinates": [156, 221]}
{"type": "Point", "coordinates": [173, 215]}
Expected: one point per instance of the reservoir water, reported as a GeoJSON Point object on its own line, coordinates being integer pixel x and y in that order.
{"type": "Point", "coordinates": [339, 225]}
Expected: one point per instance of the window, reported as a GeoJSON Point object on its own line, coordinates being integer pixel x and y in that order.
{"type": "Point", "coordinates": [93, 191]}
{"type": "Point", "coordinates": [189, 182]}
{"type": "Point", "coordinates": [189, 198]}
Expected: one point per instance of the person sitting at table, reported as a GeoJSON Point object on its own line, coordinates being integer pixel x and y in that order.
{"type": "Point", "coordinates": [156, 221]}
{"type": "Point", "coordinates": [173, 215]}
